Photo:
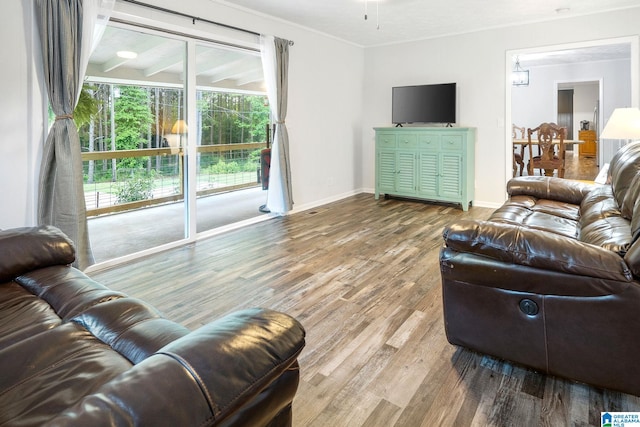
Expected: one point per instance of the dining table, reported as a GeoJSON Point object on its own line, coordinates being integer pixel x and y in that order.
{"type": "Point", "coordinates": [524, 142]}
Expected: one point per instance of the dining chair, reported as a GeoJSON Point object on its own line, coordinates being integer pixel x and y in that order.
{"type": "Point", "coordinates": [547, 137]}
{"type": "Point", "coordinates": [518, 157]}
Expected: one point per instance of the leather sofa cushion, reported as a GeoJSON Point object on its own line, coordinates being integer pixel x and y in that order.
{"type": "Point", "coordinates": [624, 167]}
{"type": "Point", "coordinates": [32, 248]}
{"type": "Point", "coordinates": [48, 372]}
{"type": "Point", "coordinates": [130, 326]}
{"type": "Point", "coordinates": [594, 218]}
{"type": "Point", "coordinates": [601, 222]}
{"type": "Point", "coordinates": [541, 187]}
{"type": "Point", "coordinates": [533, 248]}
{"type": "Point", "coordinates": [632, 258]}
{"type": "Point", "coordinates": [631, 197]}
{"type": "Point", "coordinates": [539, 214]}
{"type": "Point", "coordinates": [597, 194]}
{"type": "Point", "coordinates": [22, 314]}
{"type": "Point", "coordinates": [611, 233]}
{"type": "Point", "coordinates": [67, 290]}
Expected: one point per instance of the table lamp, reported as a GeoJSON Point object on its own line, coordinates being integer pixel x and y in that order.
{"type": "Point", "coordinates": [624, 123]}
{"type": "Point", "coordinates": [179, 128]}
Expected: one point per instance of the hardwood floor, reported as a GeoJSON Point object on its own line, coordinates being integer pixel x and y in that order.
{"type": "Point", "coordinates": [576, 166]}
{"type": "Point", "coordinates": [363, 278]}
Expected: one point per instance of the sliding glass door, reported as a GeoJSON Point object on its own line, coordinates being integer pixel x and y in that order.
{"type": "Point", "coordinates": [148, 96]}
{"type": "Point", "coordinates": [131, 139]}
{"type": "Point", "coordinates": [232, 122]}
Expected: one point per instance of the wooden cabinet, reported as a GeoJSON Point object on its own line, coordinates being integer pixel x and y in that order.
{"type": "Point", "coordinates": [426, 163]}
{"type": "Point", "coordinates": [589, 148]}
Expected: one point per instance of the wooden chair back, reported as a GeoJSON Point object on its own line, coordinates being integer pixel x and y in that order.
{"type": "Point", "coordinates": [547, 137]}
{"type": "Point", "coordinates": [518, 157]}
{"type": "Point", "coordinates": [517, 129]}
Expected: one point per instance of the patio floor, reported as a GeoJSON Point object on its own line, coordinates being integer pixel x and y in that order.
{"type": "Point", "coordinates": [116, 235]}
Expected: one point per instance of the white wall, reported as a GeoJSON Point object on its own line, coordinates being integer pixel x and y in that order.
{"type": "Point", "coordinates": [477, 62]}
{"type": "Point", "coordinates": [585, 99]}
{"type": "Point", "coordinates": [324, 110]}
{"type": "Point", "coordinates": [537, 103]}
{"type": "Point", "coordinates": [22, 116]}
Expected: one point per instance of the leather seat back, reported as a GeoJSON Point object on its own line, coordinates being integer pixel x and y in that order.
{"type": "Point", "coordinates": [624, 167]}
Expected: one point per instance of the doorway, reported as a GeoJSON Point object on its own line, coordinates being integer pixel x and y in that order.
{"type": "Point", "coordinates": [579, 111]}
{"type": "Point", "coordinates": [613, 63]}
{"type": "Point", "coordinates": [565, 111]}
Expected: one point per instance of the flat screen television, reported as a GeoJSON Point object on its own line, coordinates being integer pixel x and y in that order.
{"type": "Point", "coordinates": [434, 103]}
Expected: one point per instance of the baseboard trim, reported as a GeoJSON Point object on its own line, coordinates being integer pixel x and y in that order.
{"type": "Point", "coordinates": [317, 203]}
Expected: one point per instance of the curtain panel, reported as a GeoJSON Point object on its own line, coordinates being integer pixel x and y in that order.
{"type": "Point", "coordinates": [68, 30]}
{"type": "Point", "coordinates": [275, 62]}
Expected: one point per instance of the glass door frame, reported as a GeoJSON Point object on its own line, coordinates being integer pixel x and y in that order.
{"type": "Point", "coordinates": [189, 150]}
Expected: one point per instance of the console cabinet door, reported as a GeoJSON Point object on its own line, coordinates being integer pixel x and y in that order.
{"type": "Point", "coordinates": [428, 174]}
{"type": "Point", "coordinates": [406, 175]}
{"type": "Point", "coordinates": [387, 171]}
{"type": "Point", "coordinates": [451, 175]}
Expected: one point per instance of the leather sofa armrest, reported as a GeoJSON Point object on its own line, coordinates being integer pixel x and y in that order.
{"type": "Point", "coordinates": [535, 248]}
{"type": "Point", "coordinates": [30, 248]}
{"type": "Point", "coordinates": [202, 378]}
{"type": "Point", "coordinates": [551, 188]}
{"type": "Point", "coordinates": [252, 348]}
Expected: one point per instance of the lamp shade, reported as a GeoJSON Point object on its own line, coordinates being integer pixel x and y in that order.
{"type": "Point", "coordinates": [180, 127]}
{"type": "Point", "coordinates": [624, 123]}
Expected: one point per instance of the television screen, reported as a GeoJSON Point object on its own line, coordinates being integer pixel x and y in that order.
{"type": "Point", "coordinates": [424, 104]}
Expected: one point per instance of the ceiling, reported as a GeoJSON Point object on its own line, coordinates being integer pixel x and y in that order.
{"type": "Point", "coordinates": [608, 52]}
{"type": "Point", "coordinates": [407, 20]}
{"type": "Point", "coordinates": [160, 60]}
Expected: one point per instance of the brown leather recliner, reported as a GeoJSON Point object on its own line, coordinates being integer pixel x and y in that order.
{"type": "Point", "coordinates": [552, 279]}
{"type": "Point", "coordinates": [76, 353]}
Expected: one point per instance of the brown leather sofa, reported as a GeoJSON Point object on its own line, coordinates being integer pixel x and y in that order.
{"type": "Point", "coordinates": [76, 353]}
{"type": "Point", "coordinates": [552, 279]}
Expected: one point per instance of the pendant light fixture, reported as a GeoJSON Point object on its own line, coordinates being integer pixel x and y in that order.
{"type": "Point", "coordinates": [519, 77]}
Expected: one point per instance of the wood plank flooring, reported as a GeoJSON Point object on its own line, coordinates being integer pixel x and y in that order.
{"type": "Point", "coordinates": [362, 276]}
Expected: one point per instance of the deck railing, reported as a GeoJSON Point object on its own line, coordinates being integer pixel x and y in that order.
{"type": "Point", "coordinates": [223, 167]}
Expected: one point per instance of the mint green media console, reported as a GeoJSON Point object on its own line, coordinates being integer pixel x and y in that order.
{"type": "Point", "coordinates": [427, 163]}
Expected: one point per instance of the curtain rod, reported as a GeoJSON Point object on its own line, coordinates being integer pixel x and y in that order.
{"type": "Point", "coordinates": [194, 18]}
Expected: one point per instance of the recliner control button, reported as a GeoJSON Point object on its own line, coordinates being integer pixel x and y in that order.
{"type": "Point", "coordinates": [529, 307]}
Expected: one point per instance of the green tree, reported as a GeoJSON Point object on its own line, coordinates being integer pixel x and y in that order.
{"type": "Point", "coordinates": [256, 118]}
{"type": "Point", "coordinates": [133, 119]}
{"type": "Point", "coordinates": [87, 106]}
{"type": "Point", "coordinates": [229, 118]}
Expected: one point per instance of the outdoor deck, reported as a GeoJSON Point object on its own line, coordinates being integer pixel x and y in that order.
{"type": "Point", "coordinates": [116, 235]}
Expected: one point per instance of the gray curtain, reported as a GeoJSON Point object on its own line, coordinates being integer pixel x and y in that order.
{"type": "Point", "coordinates": [275, 62]}
{"type": "Point", "coordinates": [67, 33]}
